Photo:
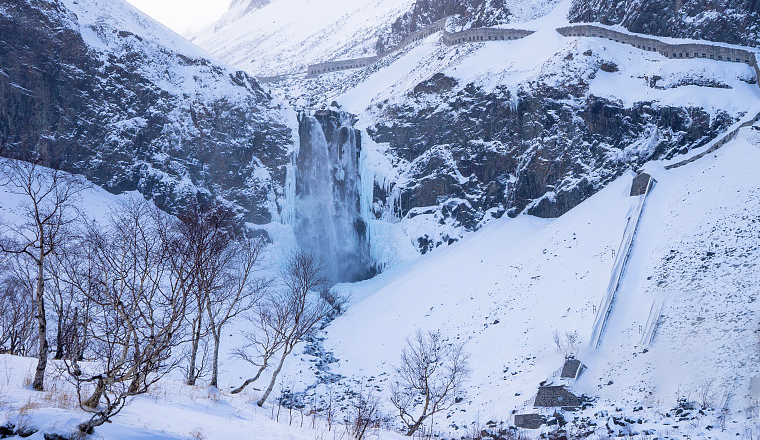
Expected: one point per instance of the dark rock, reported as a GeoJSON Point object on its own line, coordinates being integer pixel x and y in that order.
{"type": "Point", "coordinates": [7, 430]}
{"type": "Point", "coordinates": [609, 66]}
{"type": "Point", "coordinates": [728, 21]}
{"type": "Point", "coordinates": [55, 437]}
{"type": "Point", "coordinates": [96, 113]}
{"type": "Point", "coordinates": [466, 13]}
{"type": "Point", "coordinates": [473, 151]}
{"type": "Point", "coordinates": [25, 432]}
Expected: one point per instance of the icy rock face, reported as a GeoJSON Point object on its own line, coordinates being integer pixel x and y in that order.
{"type": "Point", "coordinates": [475, 13]}
{"type": "Point", "coordinates": [94, 91]}
{"type": "Point", "coordinates": [327, 220]}
{"type": "Point", "coordinates": [486, 154]}
{"type": "Point", "coordinates": [728, 21]}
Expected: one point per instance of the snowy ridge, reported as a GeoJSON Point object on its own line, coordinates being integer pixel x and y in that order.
{"type": "Point", "coordinates": [273, 40]}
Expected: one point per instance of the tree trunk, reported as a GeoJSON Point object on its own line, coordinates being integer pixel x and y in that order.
{"type": "Point", "coordinates": [59, 340]}
{"type": "Point", "coordinates": [39, 374]}
{"type": "Point", "coordinates": [94, 400]}
{"type": "Point", "coordinates": [253, 379]}
{"type": "Point", "coordinates": [415, 427]}
{"type": "Point", "coordinates": [191, 376]}
{"type": "Point", "coordinates": [269, 389]}
{"type": "Point", "coordinates": [217, 334]}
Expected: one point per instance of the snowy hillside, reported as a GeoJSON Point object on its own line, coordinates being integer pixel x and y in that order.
{"type": "Point", "coordinates": [508, 287]}
{"type": "Point", "coordinates": [275, 40]}
{"type": "Point", "coordinates": [454, 136]}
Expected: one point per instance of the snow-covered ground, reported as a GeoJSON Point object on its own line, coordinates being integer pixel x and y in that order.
{"type": "Point", "coordinates": [504, 290]}
{"type": "Point", "coordinates": [508, 287]}
{"type": "Point", "coordinates": [287, 35]}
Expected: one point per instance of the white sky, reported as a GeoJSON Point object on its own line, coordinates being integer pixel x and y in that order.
{"type": "Point", "coordinates": [183, 15]}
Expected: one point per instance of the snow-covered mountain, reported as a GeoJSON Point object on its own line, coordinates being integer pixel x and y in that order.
{"type": "Point", "coordinates": [284, 36]}
{"type": "Point", "coordinates": [506, 289]}
{"type": "Point", "coordinates": [487, 181]}
{"type": "Point", "coordinates": [98, 88]}
{"type": "Point", "coordinates": [456, 136]}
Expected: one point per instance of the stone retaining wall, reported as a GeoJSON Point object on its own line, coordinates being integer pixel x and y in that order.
{"type": "Point", "coordinates": [483, 34]}
{"type": "Point", "coordinates": [334, 66]}
{"type": "Point", "coordinates": [687, 50]}
{"type": "Point", "coordinates": [449, 39]}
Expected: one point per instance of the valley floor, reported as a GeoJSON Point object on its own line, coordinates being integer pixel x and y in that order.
{"type": "Point", "coordinates": [505, 290]}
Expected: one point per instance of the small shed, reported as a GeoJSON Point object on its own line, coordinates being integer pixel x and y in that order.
{"type": "Point", "coordinates": [556, 397]}
{"type": "Point", "coordinates": [641, 184]}
{"type": "Point", "coordinates": [529, 421]}
{"type": "Point", "coordinates": [572, 368]}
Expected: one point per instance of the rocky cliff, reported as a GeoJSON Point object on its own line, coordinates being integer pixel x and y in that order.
{"type": "Point", "coordinates": [728, 21]}
{"type": "Point", "coordinates": [99, 89]}
{"type": "Point", "coordinates": [467, 152]}
{"type": "Point", "coordinates": [476, 13]}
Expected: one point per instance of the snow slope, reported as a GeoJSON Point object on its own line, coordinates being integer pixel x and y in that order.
{"type": "Point", "coordinates": [506, 288]}
{"type": "Point", "coordinates": [285, 36]}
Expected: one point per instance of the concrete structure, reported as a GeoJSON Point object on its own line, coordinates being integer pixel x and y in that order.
{"type": "Point", "coordinates": [618, 270]}
{"type": "Point", "coordinates": [556, 397]}
{"type": "Point", "coordinates": [476, 35]}
{"type": "Point", "coordinates": [572, 369]}
{"type": "Point", "coordinates": [686, 50]}
{"type": "Point", "coordinates": [640, 184]}
{"type": "Point", "coordinates": [529, 421]}
{"type": "Point", "coordinates": [334, 66]}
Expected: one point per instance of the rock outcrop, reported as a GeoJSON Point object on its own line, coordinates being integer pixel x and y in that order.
{"type": "Point", "coordinates": [728, 21]}
{"type": "Point", "coordinates": [470, 154]}
{"type": "Point", "coordinates": [91, 88]}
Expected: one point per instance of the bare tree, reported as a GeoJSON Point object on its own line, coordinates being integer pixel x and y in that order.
{"type": "Point", "coordinates": [65, 307]}
{"type": "Point", "coordinates": [566, 343]}
{"type": "Point", "coordinates": [706, 393]}
{"type": "Point", "coordinates": [431, 373]}
{"type": "Point", "coordinates": [264, 340]}
{"type": "Point", "coordinates": [48, 210]}
{"type": "Point", "coordinates": [16, 314]}
{"type": "Point", "coordinates": [299, 307]}
{"type": "Point", "coordinates": [138, 310]}
{"type": "Point", "coordinates": [223, 283]}
{"type": "Point", "coordinates": [363, 413]}
{"type": "Point", "coordinates": [236, 291]}
{"type": "Point", "coordinates": [202, 237]}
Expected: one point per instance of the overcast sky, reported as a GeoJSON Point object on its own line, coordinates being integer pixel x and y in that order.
{"type": "Point", "coordinates": [181, 15]}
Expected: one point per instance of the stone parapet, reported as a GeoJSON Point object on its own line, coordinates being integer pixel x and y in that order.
{"type": "Point", "coordinates": [668, 50]}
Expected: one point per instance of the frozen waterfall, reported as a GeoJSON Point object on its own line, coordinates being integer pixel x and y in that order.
{"type": "Point", "coordinates": [325, 209]}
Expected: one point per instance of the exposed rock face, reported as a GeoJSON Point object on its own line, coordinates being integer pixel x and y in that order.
{"type": "Point", "coordinates": [475, 13]}
{"type": "Point", "coordinates": [728, 21]}
{"type": "Point", "coordinates": [132, 114]}
{"type": "Point", "coordinates": [471, 154]}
